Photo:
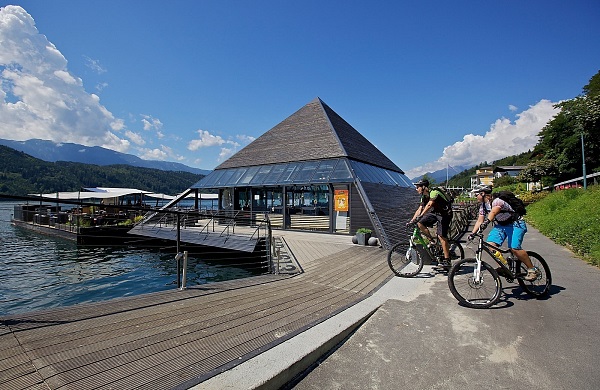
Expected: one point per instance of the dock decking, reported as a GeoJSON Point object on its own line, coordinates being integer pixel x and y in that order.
{"type": "Point", "coordinates": [176, 339]}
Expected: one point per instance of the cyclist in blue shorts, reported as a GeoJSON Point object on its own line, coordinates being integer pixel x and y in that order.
{"type": "Point", "coordinates": [506, 226]}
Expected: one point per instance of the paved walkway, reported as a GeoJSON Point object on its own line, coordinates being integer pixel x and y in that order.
{"type": "Point", "coordinates": [424, 340]}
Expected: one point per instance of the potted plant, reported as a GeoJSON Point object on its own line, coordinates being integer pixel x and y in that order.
{"type": "Point", "coordinates": [363, 235]}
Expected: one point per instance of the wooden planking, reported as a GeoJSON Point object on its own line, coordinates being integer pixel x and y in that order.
{"type": "Point", "coordinates": [165, 339]}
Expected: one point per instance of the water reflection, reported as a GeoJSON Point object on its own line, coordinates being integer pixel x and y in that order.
{"type": "Point", "coordinates": [40, 272]}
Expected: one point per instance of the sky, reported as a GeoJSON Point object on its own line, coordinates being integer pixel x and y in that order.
{"type": "Point", "coordinates": [432, 83]}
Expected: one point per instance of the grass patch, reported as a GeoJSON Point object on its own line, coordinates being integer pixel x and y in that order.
{"type": "Point", "coordinates": [570, 218]}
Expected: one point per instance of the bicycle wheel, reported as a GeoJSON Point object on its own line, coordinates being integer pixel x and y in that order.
{"type": "Point", "coordinates": [456, 251]}
{"type": "Point", "coordinates": [540, 286]}
{"type": "Point", "coordinates": [470, 292]}
{"type": "Point", "coordinates": [405, 260]}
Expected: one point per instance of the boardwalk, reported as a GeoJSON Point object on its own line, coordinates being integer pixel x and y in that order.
{"type": "Point", "coordinates": [177, 339]}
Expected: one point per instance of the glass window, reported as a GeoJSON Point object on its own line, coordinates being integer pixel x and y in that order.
{"type": "Point", "coordinates": [225, 177]}
{"type": "Point", "coordinates": [273, 177]}
{"type": "Point", "coordinates": [262, 174]}
{"type": "Point", "coordinates": [209, 179]}
{"type": "Point", "coordinates": [289, 173]}
{"type": "Point", "coordinates": [245, 179]}
{"type": "Point", "coordinates": [341, 172]}
{"type": "Point", "coordinates": [359, 171]}
{"type": "Point", "coordinates": [236, 176]}
{"type": "Point", "coordinates": [324, 170]}
{"type": "Point", "coordinates": [306, 172]}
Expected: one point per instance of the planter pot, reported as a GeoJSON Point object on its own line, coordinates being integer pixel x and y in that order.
{"type": "Point", "coordinates": [363, 238]}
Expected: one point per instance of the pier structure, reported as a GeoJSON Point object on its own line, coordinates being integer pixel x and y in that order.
{"type": "Point", "coordinates": [181, 338]}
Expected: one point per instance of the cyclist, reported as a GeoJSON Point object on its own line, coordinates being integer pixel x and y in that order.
{"type": "Point", "coordinates": [505, 226]}
{"type": "Point", "coordinates": [441, 212]}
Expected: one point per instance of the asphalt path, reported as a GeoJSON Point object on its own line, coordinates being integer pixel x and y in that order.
{"type": "Point", "coordinates": [425, 340]}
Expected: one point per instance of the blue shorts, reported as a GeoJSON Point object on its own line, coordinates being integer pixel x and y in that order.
{"type": "Point", "coordinates": [514, 232]}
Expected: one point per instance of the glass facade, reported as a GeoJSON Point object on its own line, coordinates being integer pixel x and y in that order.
{"type": "Point", "coordinates": [302, 172]}
{"type": "Point", "coordinates": [298, 195]}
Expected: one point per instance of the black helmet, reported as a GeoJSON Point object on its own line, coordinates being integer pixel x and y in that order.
{"type": "Point", "coordinates": [422, 182]}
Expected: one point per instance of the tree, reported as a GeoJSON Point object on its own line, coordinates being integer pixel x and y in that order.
{"type": "Point", "coordinates": [560, 139]}
{"type": "Point", "coordinates": [544, 171]}
{"type": "Point", "coordinates": [505, 180]}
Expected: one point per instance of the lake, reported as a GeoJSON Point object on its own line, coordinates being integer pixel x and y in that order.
{"type": "Point", "coordinates": [40, 272]}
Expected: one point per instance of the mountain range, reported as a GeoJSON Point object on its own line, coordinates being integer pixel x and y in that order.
{"type": "Point", "coordinates": [441, 175]}
{"type": "Point", "coordinates": [52, 152]}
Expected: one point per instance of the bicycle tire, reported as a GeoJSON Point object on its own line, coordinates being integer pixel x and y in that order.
{"type": "Point", "coordinates": [541, 286]}
{"type": "Point", "coordinates": [469, 294]}
{"type": "Point", "coordinates": [405, 261]}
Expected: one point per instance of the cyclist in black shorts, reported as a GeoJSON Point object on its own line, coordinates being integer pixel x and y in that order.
{"type": "Point", "coordinates": [441, 212]}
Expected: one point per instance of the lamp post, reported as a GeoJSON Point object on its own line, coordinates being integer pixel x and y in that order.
{"type": "Point", "coordinates": [583, 157]}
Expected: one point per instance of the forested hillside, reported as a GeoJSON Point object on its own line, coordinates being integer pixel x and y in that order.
{"type": "Point", "coordinates": [21, 174]}
{"type": "Point", "coordinates": [463, 179]}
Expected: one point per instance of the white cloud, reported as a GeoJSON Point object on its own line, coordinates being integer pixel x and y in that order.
{"type": "Point", "coordinates": [163, 153]}
{"type": "Point", "coordinates": [151, 123]}
{"type": "Point", "coordinates": [40, 98]}
{"type": "Point", "coordinates": [225, 154]}
{"type": "Point", "coordinates": [94, 65]}
{"type": "Point", "coordinates": [504, 138]}
{"type": "Point", "coordinates": [206, 140]}
{"type": "Point", "coordinates": [136, 138]}
{"type": "Point", "coordinates": [154, 154]}
{"type": "Point", "coordinates": [245, 138]}
{"type": "Point", "coordinates": [100, 86]}
{"type": "Point", "coordinates": [512, 108]}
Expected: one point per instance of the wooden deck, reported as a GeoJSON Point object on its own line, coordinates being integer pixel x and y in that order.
{"type": "Point", "coordinates": [176, 339]}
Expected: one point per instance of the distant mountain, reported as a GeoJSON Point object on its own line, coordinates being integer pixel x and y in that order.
{"type": "Point", "coordinates": [52, 152]}
{"type": "Point", "coordinates": [440, 176]}
{"type": "Point", "coordinates": [22, 174]}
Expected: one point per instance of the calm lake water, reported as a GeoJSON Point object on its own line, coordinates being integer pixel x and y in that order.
{"type": "Point", "coordinates": [40, 272]}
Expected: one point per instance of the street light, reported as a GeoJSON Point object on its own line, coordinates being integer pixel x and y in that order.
{"type": "Point", "coordinates": [583, 157]}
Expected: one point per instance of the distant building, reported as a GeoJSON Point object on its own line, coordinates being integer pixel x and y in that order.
{"type": "Point", "coordinates": [484, 176]}
{"type": "Point", "coordinates": [314, 171]}
{"type": "Point", "coordinates": [512, 171]}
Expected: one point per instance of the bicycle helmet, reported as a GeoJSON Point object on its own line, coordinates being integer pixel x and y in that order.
{"type": "Point", "coordinates": [482, 188]}
{"type": "Point", "coordinates": [422, 182]}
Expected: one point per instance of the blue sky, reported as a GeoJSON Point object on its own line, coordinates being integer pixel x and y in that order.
{"type": "Point", "coordinates": [430, 83]}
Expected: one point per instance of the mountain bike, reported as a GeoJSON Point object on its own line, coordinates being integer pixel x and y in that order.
{"type": "Point", "coordinates": [406, 260]}
{"type": "Point", "coordinates": [476, 284]}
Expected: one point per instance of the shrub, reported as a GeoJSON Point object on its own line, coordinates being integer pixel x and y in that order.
{"type": "Point", "coordinates": [571, 218]}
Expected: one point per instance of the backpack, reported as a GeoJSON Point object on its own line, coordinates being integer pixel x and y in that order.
{"type": "Point", "coordinates": [515, 203]}
{"type": "Point", "coordinates": [446, 196]}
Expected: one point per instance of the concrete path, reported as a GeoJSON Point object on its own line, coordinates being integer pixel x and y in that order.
{"type": "Point", "coordinates": [420, 338]}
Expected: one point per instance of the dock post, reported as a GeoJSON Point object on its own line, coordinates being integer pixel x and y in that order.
{"type": "Point", "coordinates": [184, 280]}
{"type": "Point", "coordinates": [178, 251]}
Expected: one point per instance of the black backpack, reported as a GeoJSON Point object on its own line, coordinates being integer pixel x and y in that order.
{"type": "Point", "coordinates": [515, 203]}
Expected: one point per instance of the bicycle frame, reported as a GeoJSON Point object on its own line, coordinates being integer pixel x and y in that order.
{"type": "Point", "coordinates": [510, 269]}
{"type": "Point", "coordinates": [417, 238]}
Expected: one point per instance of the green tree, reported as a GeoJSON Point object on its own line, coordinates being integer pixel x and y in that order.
{"type": "Point", "coordinates": [543, 170]}
{"type": "Point", "coordinates": [505, 180]}
{"type": "Point", "coordinates": [560, 139]}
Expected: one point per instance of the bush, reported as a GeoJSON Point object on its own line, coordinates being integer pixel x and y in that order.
{"type": "Point", "coordinates": [571, 218]}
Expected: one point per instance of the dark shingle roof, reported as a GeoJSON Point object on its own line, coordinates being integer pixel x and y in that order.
{"type": "Point", "coordinates": [313, 132]}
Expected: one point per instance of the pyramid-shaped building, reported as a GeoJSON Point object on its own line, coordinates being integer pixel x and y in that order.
{"type": "Point", "coordinates": [314, 171]}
